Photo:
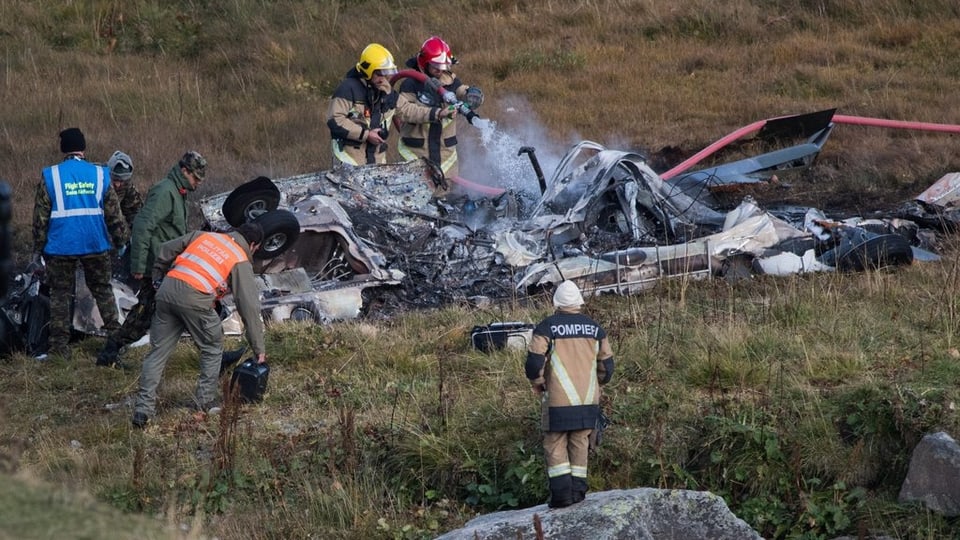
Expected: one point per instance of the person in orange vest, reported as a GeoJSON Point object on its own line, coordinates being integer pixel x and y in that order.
{"type": "Point", "coordinates": [191, 273]}
{"type": "Point", "coordinates": [568, 359]}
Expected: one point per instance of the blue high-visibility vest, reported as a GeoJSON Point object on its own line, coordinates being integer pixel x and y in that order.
{"type": "Point", "coordinates": [76, 190]}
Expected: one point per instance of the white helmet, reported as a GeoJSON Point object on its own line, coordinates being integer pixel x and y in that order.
{"type": "Point", "coordinates": [567, 295]}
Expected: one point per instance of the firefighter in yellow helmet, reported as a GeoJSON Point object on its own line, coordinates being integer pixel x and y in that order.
{"type": "Point", "coordinates": [362, 108]}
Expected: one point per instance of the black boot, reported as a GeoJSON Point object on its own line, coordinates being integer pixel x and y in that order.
{"type": "Point", "coordinates": [110, 355]}
{"type": "Point", "coordinates": [579, 489]}
{"type": "Point", "coordinates": [140, 420]}
{"type": "Point", "coordinates": [561, 493]}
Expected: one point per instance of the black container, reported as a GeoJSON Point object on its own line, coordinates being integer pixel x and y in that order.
{"type": "Point", "coordinates": [497, 336]}
{"type": "Point", "coordinates": [250, 378]}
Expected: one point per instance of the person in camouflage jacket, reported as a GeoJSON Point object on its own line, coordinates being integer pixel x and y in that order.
{"type": "Point", "coordinates": [121, 172]}
{"type": "Point", "coordinates": [162, 218]}
{"type": "Point", "coordinates": [76, 220]}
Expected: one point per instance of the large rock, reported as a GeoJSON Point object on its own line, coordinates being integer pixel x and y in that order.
{"type": "Point", "coordinates": [934, 475]}
{"type": "Point", "coordinates": [635, 514]}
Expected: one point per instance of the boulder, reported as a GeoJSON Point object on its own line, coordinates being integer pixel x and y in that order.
{"type": "Point", "coordinates": [635, 514]}
{"type": "Point", "coordinates": [934, 475]}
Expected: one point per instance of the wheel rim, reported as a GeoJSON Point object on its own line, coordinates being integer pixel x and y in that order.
{"type": "Point", "coordinates": [274, 242]}
{"type": "Point", "coordinates": [255, 209]}
{"type": "Point", "coordinates": [301, 314]}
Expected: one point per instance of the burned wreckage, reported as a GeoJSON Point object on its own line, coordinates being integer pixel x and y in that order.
{"type": "Point", "coordinates": [604, 219]}
{"type": "Point", "coordinates": [373, 239]}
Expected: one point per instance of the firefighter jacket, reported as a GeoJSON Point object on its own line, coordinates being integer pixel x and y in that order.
{"type": "Point", "coordinates": [162, 217]}
{"type": "Point", "coordinates": [355, 109]}
{"type": "Point", "coordinates": [422, 135]}
{"type": "Point", "coordinates": [198, 268]}
{"type": "Point", "coordinates": [75, 211]}
{"type": "Point", "coordinates": [571, 356]}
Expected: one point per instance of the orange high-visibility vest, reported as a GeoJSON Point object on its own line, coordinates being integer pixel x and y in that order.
{"type": "Point", "coordinates": [207, 262]}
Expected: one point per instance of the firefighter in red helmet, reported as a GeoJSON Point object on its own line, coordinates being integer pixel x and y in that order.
{"type": "Point", "coordinates": [428, 126]}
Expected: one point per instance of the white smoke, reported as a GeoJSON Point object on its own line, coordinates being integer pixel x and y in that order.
{"type": "Point", "coordinates": [488, 150]}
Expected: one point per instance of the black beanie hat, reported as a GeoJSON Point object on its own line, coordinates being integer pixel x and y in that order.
{"type": "Point", "coordinates": [71, 140]}
{"type": "Point", "coordinates": [251, 232]}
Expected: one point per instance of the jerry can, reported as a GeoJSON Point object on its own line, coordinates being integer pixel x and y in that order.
{"type": "Point", "coordinates": [250, 379]}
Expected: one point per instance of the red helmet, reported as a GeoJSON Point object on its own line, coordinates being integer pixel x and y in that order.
{"type": "Point", "coordinates": [435, 52]}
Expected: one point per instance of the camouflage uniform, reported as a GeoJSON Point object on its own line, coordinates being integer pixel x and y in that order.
{"type": "Point", "coordinates": [130, 204]}
{"type": "Point", "coordinates": [130, 201]}
{"type": "Point", "coordinates": [121, 173]}
{"type": "Point", "coordinates": [60, 273]}
{"type": "Point", "coordinates": [162, 217]}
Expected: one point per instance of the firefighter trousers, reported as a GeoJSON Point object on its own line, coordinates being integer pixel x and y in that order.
{"type": "Point", "coordinates": [566, 455]}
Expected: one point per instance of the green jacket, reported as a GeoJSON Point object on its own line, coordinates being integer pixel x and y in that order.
{"type": "Point", "coordinates": [162, 218]}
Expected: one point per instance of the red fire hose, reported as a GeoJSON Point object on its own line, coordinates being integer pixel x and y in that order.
{"type": "Point", "coordinates": [838, 118]}
{"type": "Point", "coordinates": [446, 95]}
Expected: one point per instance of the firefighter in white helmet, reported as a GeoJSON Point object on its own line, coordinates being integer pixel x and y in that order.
{"type": "Point", "coordinates": [569, 357]}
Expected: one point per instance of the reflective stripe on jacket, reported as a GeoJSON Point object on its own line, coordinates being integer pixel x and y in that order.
{"type": "Point", "coordinates": [580, 360]}
{"type": "Point", "coordinates": [77, 226]}
{"type": "Point", "coordinates": [356, 108]}
{"type": "Point", "coordinates": [421, 134]}
{"type": "Point", "coordinates": [207, 262]}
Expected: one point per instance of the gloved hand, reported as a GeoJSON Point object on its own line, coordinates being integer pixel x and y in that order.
{"type": "Point", "coordinates": [446, 112]}
{"type": "Point", "coordinates": [474, 97]}
{"type": "Point", "coordinates": [434, 85]}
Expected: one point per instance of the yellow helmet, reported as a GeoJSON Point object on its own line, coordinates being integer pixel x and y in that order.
{"type": "Point", "coordinates": [376, 57]}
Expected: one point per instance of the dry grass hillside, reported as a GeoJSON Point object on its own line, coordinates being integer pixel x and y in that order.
{"type": "Point", "coordinates": [796, 399]}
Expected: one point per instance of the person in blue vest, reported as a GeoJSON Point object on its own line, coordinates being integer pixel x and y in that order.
{"type": "Point", "coordinates": [76, 220]}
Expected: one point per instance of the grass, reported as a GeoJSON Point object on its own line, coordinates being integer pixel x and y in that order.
{"type": "Point", "coordinates": [402, 429]}
{"type": "Point", "coordinates": [798, 399]}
